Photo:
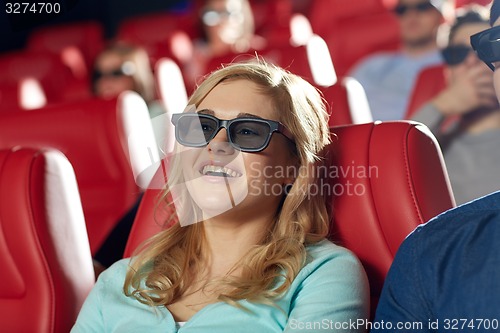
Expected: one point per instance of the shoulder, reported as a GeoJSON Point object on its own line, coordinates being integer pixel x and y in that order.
{"type": "Point", "coordinates": [468, 228]}
{"type": "Point", "coordinates": [326, 250]}
{"type": "Point", "coordinates": [332, 284]}
{"type": "Point", "coordinates": [332, 260]}
{"type": "Point", "coordinates": [478, 214]}
{"type": "Point", "coordinates": [115, 274]}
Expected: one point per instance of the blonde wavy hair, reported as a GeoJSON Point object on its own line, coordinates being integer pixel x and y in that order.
{"type": "Point", "coordinates": [162, 271]}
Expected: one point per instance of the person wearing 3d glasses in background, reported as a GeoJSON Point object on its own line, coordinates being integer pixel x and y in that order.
{"type": "Point", "coordinates": [465, 116]}
{"type": "Point", "coordinates": [445, 275]}
{"type": "Point", "coordinates": [388, 77]}
{"type": "Point", "coordinates": [124, 67]}
{"type": "Point", "coordinates": [247, 251]}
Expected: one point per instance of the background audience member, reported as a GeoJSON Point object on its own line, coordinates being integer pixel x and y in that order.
{"type": "Point", "coordinates": [121, 67]}
{"type": "Point", "coordinates": [470, 144]}
{"type": "Point", "coordinates": [388, 77]}
{"type": "Point", "coordinates": [445, 275]}
{"type": "Point", "coordinates": [227, 28]}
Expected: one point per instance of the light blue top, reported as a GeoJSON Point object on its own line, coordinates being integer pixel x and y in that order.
{"type": "Point", "coordinates": [329, 294]}
{"type": "Point", "coordinates": [388, 79]}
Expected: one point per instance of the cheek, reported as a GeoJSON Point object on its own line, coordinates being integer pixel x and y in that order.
{"type": "Point", "coordinates": [188, 157]}
{"type": "Point", "coordinates": [126, 83]}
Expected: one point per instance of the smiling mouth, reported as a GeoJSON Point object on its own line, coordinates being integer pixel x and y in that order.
{"type": "Point", "coordinates": [219, 171]}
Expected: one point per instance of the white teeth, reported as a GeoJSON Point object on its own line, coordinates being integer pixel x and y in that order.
{"type": "Point", "coordinates": [220, 169]}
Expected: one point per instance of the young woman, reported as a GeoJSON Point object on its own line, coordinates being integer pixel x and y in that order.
{"type": "Point", "coordinates": [245, 256]}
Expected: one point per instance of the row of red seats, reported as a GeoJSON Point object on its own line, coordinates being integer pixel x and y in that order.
{"type": "Point", "coordinates": [170, 35]}
{"type": "Point", "coordinates": [351, 29]}
{"type": "Point", "coordinates": [94, 135]}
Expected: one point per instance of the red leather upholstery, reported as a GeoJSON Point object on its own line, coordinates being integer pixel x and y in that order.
{"type": "Point", "coordinates": [87, 37]}
{"type": "Point", "coordinates": [429, 83]}
{"type": "Point", "coordinates": [398, 180]}
{"type": "Point", "coordinates": [46, 68]}
{"type": "Point", "coordinates": [44, 251]}
{"type": "Point", "coordinates": [25, 94]}
{"type": "Point", "coordinates": [153, 28]}
{"type": "Point", "coordinates": [93, 136]}
{"type": "Point", "coordinates": [385, 179]}
{"type": "Point", "coordinates": [9, 96]}
{"type": "Point", "coordinates": [323, 12]}
{"type": "Point", "coordinates": [152, 215]}
{"type": "Point", "coordinates": [161, 34]}
{"type": "Point", "coordinates": [351, 39]}
{"type": "Point", "coordinates": [354, 29]}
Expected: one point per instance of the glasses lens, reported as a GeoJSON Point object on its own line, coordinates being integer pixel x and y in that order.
{"type": "Point", "coordinates": [421, 7]}
{"type": "Point", "coordinates": [487, 45]}
{"type": "Point", "coordinates": [195, 130]}
{"type": "Point", "coordinates": [424, 6]}
{"type": "Point", "coordinates": [400, 9]}
{"type": "Point", "coordinates": [455, 54]}
{"type": "Point", "coordinates": [249, 134]}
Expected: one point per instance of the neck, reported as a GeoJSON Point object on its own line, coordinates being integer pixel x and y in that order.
{"type": "Point", "coordinates": [229, 240]}
{"type": "Point", "coordinates": [418, 48]}
{"type": "Point", "coordinates": [480, 121]}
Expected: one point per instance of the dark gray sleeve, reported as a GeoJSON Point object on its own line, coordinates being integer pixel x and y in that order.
{"type": "Point", "coordinates": [430, 116]}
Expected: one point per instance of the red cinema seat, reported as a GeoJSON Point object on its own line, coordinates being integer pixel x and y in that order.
{"type": "Point", "coordinates": [323, 12]}
{"type": "Point", "coordinates": [351, 39]}
{"type": "Point", "coordinates": [44, 251]}
{"type": "Point", "coordinates": [391, 178]}
{"type": "Point", "coordinates": [25, 94]}
{"type": "Point", "coordinates": [429, 83]}
{"type": "Point", "coordinates": [10, 98]}
{"type": "Point", "coordinates": [48, 69]}
{"type": "Point", "coordinates": [347, 103]}
{"type": "Point", "coordinates": [153, 28]}
{"type": "Point", "coordinates": [311, 61]}
{"type": "Point", "coordinates": [86, 37]}
{"type": "Point", "coordinates": [384, 179]}
{"type": "Point", "coordinates": [94, 135]}
{"type": "Point", "coordinates": [167, 35]}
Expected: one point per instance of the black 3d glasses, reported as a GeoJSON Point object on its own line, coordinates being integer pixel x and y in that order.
{"type": "Point", "coordinates": [245, 134]}
{"type": "Point", "coordinates": [126, 69]}
{"type": "Point", "coordinates": [487, 46]}
{"type": "Point", "coordinates": [455, 54]}
{"type": "Point", "coordinates": [401, 9]}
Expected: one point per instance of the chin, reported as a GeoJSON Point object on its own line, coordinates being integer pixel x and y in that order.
{"type": "Point", "coordinates": [215, 198]}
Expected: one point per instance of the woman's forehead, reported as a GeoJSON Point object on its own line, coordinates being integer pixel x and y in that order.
{"type": "Point", "coordinates": [232, 97]}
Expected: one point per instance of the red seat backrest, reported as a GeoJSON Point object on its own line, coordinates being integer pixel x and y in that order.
{"type": "Point", "coordinates": [323, 12]}
{"type": "Point", "coordinates": [93, 137]}
{"type": "Point", "coordinates": [87, 37]}
{"type": "Point", "coordinates": [429, 83]}
{"type": "Point", "coordinates": [44, 251]}
{"type": "Point", "coordinates": [352, 39]}
{"type": "Point", "coordinates": [397, 178]}
{"type": "Point", "coordinates": [384, 180]}
{"type": "Point", "coordinates": [46, 68]}
{"type": "Point", "coordinates": [10, 98]}
{"type": "Point", "coordinates": [354, 29]}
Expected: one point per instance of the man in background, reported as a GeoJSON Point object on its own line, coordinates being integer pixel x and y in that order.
{"type": "Point", "coordinates": [388, 77]}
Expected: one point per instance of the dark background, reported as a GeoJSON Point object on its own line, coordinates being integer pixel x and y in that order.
{"type": "Point", "coordinates": [14, 28]}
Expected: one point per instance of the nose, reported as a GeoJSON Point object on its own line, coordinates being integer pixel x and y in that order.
{"type": "Point", "coordinates": [220, 144]}
{"type": "Point", "coordinates": [472, 58]}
